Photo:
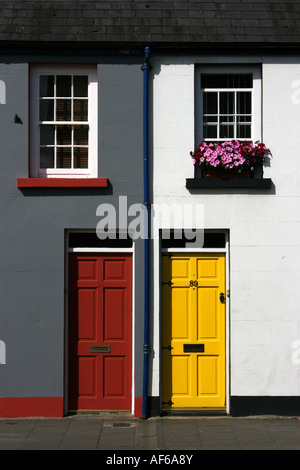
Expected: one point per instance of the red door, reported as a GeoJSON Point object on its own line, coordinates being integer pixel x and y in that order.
{"type": "Point", "coordinates": [100, 298]}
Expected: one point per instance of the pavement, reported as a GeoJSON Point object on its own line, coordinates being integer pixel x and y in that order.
{"type": "Point", "coordinates": [119, 435]}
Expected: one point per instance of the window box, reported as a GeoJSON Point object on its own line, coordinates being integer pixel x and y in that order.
{"type": "Point", "coordinates": [229, 165]}
{"type": "Point", "coordinates": [212, 172]}
{"type": "Point", "coordinates": [233, 183]}
{"type": "Point", "coordinates": [230, 159]}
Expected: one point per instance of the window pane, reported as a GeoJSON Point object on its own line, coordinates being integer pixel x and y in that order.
{"type": "Point", "coordinates": [244, 102]}
{"type": "Point", "coordinates": [244, 131]}
{"type": "Point", "coordinates": [227, 102]}
{"type": "Point", "coordinates": [244, 80]}
{"type": "Point", "coordinates": [63, 157]}
{"type": "Point", "coordinates": [63, 110]}
{"type": "Point", "coordinates": [47, 135]}
{"type": "Point", "coordinates": [211, 118]}
{"type": "Point", "coordinates": [80, 157]}
{"type": "Point", "coordinates": [226, 132]}
{"type": "Point", "coordinates": [46, 157]}
{"type": "Point", "coordinates": [81, 135]}
{"type": "Point", "coordinates": [213, 81]}
{"type": "Point", "coordinates": [80, 110]}
{"type": "Point", "coordinates": [64, 135]}
{"type": "Point", "coordinates": [46, 110]}
{"type": "Point", "coordinates": [63, 85]}
{"type": "Point", "coordinates": [227, 119]}
{"type": "Point", "coordinates": [210, 103]}
{"type": "Point", "coordinates": [80, 85]}
{"type": "Point", "coordinates": [46, 85]}
{"type": "Point", "coordinates": [210, 132]}
{"type": "Point", "coordinates": [244, 119]}
{"type": "Point", "coordinates": [227, 80]}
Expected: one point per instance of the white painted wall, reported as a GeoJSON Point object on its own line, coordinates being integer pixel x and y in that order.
{"type": "Point", "coordinates": [264, 274]}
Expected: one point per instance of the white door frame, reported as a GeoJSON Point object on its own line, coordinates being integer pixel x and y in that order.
{"type": "Point", "coordinates": [227, 287]}
{"type": "Point", "coordinates": [97, 250]}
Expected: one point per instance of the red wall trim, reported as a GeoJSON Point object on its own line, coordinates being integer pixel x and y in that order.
{"type": "Point", "coordinates": [138, 407]}
{"type": "Point", "coordinates": [31, 407]}
{"type": "Point", "coordinates": [62, 182]}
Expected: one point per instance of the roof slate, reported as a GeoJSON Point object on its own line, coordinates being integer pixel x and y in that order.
{"type": "Point", "coordinates": [151, 21]}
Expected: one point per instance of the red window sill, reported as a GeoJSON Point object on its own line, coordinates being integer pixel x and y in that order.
{"type": "Point", "coordinates": [62, 182]}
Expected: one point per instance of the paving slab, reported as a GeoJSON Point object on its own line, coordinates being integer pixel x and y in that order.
{"type": "Point", "coordinates": [116, 435]}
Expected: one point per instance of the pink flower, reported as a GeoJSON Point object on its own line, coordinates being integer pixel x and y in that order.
{"type": "Point", "coordinates": [230, 154]}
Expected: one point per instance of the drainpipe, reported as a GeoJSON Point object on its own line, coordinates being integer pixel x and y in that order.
{"type": "Point", "coordinates": [145, 69]}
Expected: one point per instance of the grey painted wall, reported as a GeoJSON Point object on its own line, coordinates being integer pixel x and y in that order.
{"type": "Point", "coordinates": [33, 224]}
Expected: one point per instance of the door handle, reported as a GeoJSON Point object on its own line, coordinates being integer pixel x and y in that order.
{"type": "Point", "coordinates": [222, 298]}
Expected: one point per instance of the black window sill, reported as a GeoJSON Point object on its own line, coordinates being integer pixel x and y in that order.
{"type": "Point", "coordinates": [219, 183]}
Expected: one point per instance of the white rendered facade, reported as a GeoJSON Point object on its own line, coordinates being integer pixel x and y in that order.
{"type": "Point", "coordinates": [262, 225]}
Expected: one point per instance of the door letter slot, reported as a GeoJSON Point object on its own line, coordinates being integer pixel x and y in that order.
{"type": "Point", "coordinates": [100, 349]}
{"type": "Point", "coordinates": [193, 348]}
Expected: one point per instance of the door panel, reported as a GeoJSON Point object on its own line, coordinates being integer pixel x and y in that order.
{"type": "Point", "coordinates": [100, 290]}
{"type": "Point", "coordinates": [207, 375]}
{"type": "Point", "coordinates": [207, 301]}
{"type": "Point", "coordinates": [114, 372]}
{"type": "Point", "coordinates": [193, 331]}
{"type": "Point", "coordinates": [114, 308]}
{"type": "Point", "coordinates": [86, 376]}
{"type": "Point", "coordinates": [180, 319]}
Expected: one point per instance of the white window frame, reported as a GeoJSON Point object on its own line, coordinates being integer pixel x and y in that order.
{"type": "Point", "coordinates": [255, 70]}
{"type": "Point", "coordinates": [56, 69]}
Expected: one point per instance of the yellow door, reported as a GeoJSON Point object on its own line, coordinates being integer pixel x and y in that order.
{"type": "Point", "coordinates": [193, 330]}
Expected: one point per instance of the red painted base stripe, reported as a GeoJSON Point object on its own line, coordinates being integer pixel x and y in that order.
{"type": "Point", "coordinates": [31, 407]}
{"type": "Point", "coordinates": [62, 182]}
{"type": "Point", "coordinates": [138, 407]}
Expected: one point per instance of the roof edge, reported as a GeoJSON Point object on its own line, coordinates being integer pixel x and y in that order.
{"type": "Point", "coordinates": [136, 48]}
